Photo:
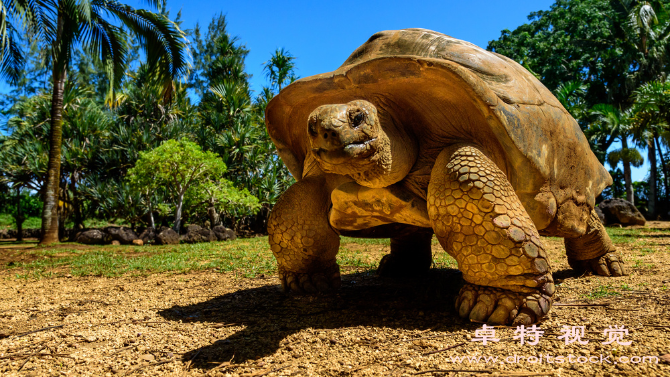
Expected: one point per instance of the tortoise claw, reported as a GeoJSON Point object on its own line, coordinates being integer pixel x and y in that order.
{"type": "Point", "coordinates": [610, 264]}
{"type": "Point", "coordinates": [501, 306]}
{"type": "Point", "coordinates": [323, 281]}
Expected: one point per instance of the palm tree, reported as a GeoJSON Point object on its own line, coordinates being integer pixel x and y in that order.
{"type": "Point", "coordinates": [652, 119]}
{"type": "Point", "coordinates": [618, 123]}
{"type": "Point", "coordinates": [63, 25]}
{"type": "Point", "coordinates": [280, 69]}
{"type": "Point", "coordinates": [571, 95]}
{"type": "Point", "coordinates": [647, 34]}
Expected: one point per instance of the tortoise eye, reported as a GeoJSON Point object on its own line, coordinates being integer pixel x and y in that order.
{"type": "Point", "coordinates": [311, 126]}
{"type": "Point", "coordinates": [358, 119]}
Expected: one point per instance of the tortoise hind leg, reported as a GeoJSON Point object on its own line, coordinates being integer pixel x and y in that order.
{"type": "Point", "coordinates": [480, 221]}
{"type": "Point", "coordinates": [410, 256]}
{"type": "Point", "coordinates": [594, 251]}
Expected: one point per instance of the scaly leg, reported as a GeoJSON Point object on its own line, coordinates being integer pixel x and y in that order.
{"type": "Point", "coordinates": [302, 240]}
{"type": "Point", "coordinates": [594, 251]}
{"type": "Point", "coordinates": [480, 221]}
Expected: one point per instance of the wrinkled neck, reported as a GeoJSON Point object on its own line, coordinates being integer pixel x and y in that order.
{"type": "Point", "coordinates": [395, 159]}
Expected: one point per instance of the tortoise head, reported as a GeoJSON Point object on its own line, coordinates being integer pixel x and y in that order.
{"type": "Point", "coordinates": [357, 140]}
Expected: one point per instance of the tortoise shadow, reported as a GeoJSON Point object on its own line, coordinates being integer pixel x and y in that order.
{"type": "Point", "coordinates": [270, 316]}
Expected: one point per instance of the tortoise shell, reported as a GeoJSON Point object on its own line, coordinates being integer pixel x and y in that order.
{"type": "Point", "coordinates": [445, 91]}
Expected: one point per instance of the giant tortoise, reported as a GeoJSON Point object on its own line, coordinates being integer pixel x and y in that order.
{"type": "Point", "coordinates": [420, 133]}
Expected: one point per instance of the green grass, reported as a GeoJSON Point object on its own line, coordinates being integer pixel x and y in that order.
{"type": "Point", "coordinates": [640, 264]}
{"type": "Point", "coordinates": [365, 241]}
{"type": "Point", "coordinates": [444, 260]}
{"type": "Point", "coordinates": [633, 236]}
{"type": "Point", "coordinates": [602, 292]}
{"type": "Point", "coordinates": [7, 221]}
{"type": "Point", "coordinates": [248, 257]}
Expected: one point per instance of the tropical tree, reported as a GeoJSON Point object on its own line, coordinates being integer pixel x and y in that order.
{"type": "Point", "coordinates": [609, 46]}
{"type": "Point", "coordinates": [232, 124]}
{"type": "Point", "coordinates": [619, 125]}
{"type": "Point", "coordinates": [280, 69]}
{"type": "Point", "coordinates": [180, 167]}
{"type": "Point", "coordinates": [61, 26]}
{"type": "Point", "coordinates": [647, 29]}
{"type": "Point", "coordinates": [572, 94]}
{"type": "Point", "coordinates": [652, 120]}
{"type": "Point", "coordinates": [217, 57]}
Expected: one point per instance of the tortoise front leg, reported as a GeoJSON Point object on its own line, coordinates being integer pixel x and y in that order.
{"type": "Point", "coordinates": [480, 221]}
{"type": "Point", "coordinates": [302, 240]}
{"type": "Point", "coordinates": [594, 251]}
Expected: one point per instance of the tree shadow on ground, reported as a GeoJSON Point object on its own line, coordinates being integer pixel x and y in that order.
{"type": "Point", "coordinates": [269, 315]}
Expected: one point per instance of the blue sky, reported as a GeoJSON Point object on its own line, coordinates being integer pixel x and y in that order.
{"type": "Point", "coordinates": [322, 34]}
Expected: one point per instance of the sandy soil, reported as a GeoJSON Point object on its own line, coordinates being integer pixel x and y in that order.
{"type": "Point", "coordinates": [210, 323]}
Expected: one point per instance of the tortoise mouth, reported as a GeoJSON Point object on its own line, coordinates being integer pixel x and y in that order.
{"type": "Point", "coordinates": [347, 152]}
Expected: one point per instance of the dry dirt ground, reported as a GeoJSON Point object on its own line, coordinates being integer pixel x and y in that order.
{"type": "Point", "coordinates": [222, 324]}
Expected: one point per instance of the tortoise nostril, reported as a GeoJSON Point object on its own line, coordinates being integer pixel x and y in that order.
{"type": "Point", "coordinates": [325, 135]}
{"type": "Point", "coordinates": [333, 134]}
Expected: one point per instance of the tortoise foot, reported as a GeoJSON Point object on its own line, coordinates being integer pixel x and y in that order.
{"type": "Point", "coordinates": [501, 306]}
{"type": "Point", "coordinates": [394, 266]}
{"type": "Point", "coordinates": [610, 264]}
{"type": "Point", "coordinates": [323, 281]}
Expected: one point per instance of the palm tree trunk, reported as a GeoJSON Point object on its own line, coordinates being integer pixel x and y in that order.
{"type": "Point", "coordinates": [76, 203]}
{"type": "Point", "coordinates": [50, 209]}
{"type": "Point", "coordinates": [19, 216]}
{"type": "Point", "coordinates": [630, 195]}
{"type": "Point", "coordinates": [664, 166]}
{"type": "Point", "coordinates": [651, 154]}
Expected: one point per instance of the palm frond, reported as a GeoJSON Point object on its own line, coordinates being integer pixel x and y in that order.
{"type": "Point", "coordinates": [165, 44]}
{"type": "Point", "coordinates": [12, 59]}
{"type": "Point", "coordinates": [625, 155]}
{"type": "Point", "coordinates": [108, 43]}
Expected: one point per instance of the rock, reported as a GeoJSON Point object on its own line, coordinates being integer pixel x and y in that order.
{"type": "Point", "coordinates": [32, 233]}
{"type": "Point", "coordinates": [600, 214]}
{"type": "Point", "coordinates": [4, 233]}
{"type": "Point", "coordinates": [148, 358]}
{"type": "Point", "coordinates": [148, 235]}
{"type": "Point", "coordinates": [93, 237]}
{"type": "Point", "coordinates": [138, 242]}
{"type": "Point", "coordinates": [122, 234]}
{"type": "Point", "coordinates": [116, 243]}
{"type": "Point", "coordinates": [224, 234]}
{"type": "Point", "coordinates": [621, 211]}
{"type": "Point", "coordinates": [195, 234]}
{"type": "Point", "coordinates": [167, 237]}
